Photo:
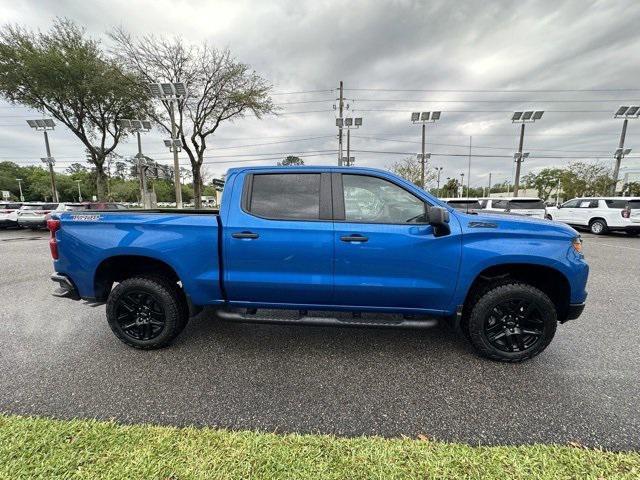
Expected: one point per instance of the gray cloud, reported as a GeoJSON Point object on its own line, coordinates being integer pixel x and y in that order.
{"type": "Point", "coordinates": [301, 46]}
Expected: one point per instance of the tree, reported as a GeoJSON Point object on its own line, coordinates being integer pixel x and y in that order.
{"type": "Point", "coordinates": [291, 161]}
{"type": "Point", "coordinates": [65, 74]}
{"type": "Point", "coordinates": [545, 181]}
{"type": "Point", "coordinates": [220, 88]}
{"type": "Point", "coordinates": [410, 169]}
{"type": "Point", "coordinates": [632, 189]}
{"type": "Point", "coordinates": [450, 189]}
{"type": "Point", "coordinates": [585, 179]}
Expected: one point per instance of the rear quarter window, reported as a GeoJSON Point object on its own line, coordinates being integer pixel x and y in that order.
{"type": "Point", "coordinates": [634, 204]}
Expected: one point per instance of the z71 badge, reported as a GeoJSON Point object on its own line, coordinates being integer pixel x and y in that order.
{"type": "Point", "coordinates": [85, 218]}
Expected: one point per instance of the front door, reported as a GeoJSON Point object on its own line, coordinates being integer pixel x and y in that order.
{"type": "Point", "coordinates": [385, 253]}
{"type": "Point", "coordinates": [278, 247]}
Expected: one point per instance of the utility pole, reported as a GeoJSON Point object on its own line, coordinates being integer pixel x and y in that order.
{"type": "Point", "coordinates": [79, 192]}
{"type": "Point", "coordinates": [489, 191]}
{"type": "Point", "coordinates": [469, 167]}
{"type": "Point", "coordinates": [422, 159]}
{"type": "Point", "coordinates": [558, 192]}
{"type": "Point", "coordinates": [340, 123]}
{"type": "Point", "coordinates": [439, 169]}
{"type": "Point", "coordinates": [19, 180]}
{"type": "Point", "coordinates": [462, 185]}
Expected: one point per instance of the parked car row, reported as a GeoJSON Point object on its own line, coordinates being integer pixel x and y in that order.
{"type": "Point", "coordinates": [35, 215]}
{"type": "Point", "coordinates": [598, 214]}
{"type": "Point", "coordinates": [528, 206]}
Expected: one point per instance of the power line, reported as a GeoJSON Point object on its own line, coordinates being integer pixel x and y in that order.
{"type": "Point", "coordinates": [543, 90]}
{"type": "Point", "coordinates": [607, 100]}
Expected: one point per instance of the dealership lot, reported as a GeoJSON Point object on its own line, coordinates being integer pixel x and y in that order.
{"type": "Point", "coordinates": [59, 358]}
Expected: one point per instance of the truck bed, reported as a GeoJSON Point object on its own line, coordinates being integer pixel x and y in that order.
{"type": "Point", "coordinates": [187, 240]}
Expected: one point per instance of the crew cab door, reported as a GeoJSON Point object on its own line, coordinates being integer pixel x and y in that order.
{"type": "Point", "coordinates": [568, 212]}
{"type": "Point", "coordinates": [386, 255]}
{"type": "Point", "coordinates": [278, 239]}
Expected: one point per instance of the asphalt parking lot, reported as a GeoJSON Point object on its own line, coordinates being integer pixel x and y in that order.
{"type": "Point", "coordinates": [59, 358]}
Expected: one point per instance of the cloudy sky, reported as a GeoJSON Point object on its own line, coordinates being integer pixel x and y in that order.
{"type": "Point", "coordinates": [475, 61]}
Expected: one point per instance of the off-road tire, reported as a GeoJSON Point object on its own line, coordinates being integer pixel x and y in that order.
{"type": "Point", "coordinates": [483, 308]}
{"type": "Point", "coordinates": [165, 295]}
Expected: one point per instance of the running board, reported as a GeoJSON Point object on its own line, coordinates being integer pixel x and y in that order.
{"type": "Point", "coordinates": [327, 321]}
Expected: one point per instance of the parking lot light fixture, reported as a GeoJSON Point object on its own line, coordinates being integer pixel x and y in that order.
{"type": "Point", "coordinates": [422, 118]}
{"type": "Point", "coordinates": [349, 123]}
{"type": "Point", "coordinates": [522, 117]}
{"type": "Point", "coordinates": [45, 125]}
{"type": "Point", "coordinates": [171, 93]}
{"type": "Point", "coordinates": [625, 112]}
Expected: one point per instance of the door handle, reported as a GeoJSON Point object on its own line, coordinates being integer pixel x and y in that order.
{"type": "Point", "coordinates": [249, 235]}
{"type": "Point", "coordinates": [354, 238]}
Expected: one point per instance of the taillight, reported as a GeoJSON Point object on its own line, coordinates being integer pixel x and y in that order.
{"type": "Point", "coordinates": [626, 213]}
{"type": "Point", "coordinates": [53, 224]}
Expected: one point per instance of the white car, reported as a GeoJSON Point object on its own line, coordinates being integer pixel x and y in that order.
{"type": "Point", "coordinates": [466, 205]}
{"type": "Point", "coordinates": [9, 214]}
{"type": "Point", "coordinates": [529, 206]}
{"type": "Point", "coordinates": [600, 214]}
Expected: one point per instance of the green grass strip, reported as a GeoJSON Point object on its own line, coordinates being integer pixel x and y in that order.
{"type": "Point", "coordinates": [45, 448]}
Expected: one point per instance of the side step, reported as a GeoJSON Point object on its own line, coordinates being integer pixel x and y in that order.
{"type": "Point", "coordinates": [356, 321]}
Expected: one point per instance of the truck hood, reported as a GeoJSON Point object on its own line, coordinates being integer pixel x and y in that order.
{"type": "Point", "coordinates": [508, 222]}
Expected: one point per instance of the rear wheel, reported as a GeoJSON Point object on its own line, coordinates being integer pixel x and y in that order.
{"type": "Point", "coordinates": [512, 322]}
{"type": "Point", "coordinates": [146, 312]}
{"type": "Point", "coordinates": [598, 226]}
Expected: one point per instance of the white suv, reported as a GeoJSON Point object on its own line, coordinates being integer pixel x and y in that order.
{"type": "Point", "coordinates": [600, 214]}
{"type": "Point", "coordinates": [529, 206]}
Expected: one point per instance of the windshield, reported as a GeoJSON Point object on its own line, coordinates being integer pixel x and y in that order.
{"type": "Point", "coordinates": [526, 205]}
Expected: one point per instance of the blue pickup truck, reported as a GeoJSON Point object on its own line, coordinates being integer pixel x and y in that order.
{"type": "Point", "coordinates": [335, 239]}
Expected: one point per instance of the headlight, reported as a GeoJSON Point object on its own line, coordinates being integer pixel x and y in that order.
{"type": "Point", "coordinates": [577, 244]}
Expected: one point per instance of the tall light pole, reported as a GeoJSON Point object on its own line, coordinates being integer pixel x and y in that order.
{"type": "Point", "coordinates": [19, 180]}
{"type": "Point", "coordinates": [79, 191]}
{"type": "Point", "coordinates": [439, 170]}
{"type": "Point", "coordinates": [44, 125]}
{"type": "Point", "coordinates": [529, 116]}
{"type": "Point", "coordinates": [625, 112]}
{"type": "Point", "coordinates": [139, 126]}
{"type": "Point", "coordinates": [462, 185]}
{"type": "Point", "coordinates": [423, 118]}
{"type": "Point", "coordinates": [171, 93]}
{"type": "Point", "coordinates": [350, 123]}
{"type": "Point", "coordinates": [489, 191]}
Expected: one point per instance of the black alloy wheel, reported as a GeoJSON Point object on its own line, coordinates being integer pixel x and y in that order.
{"type": "Point", "coordinates": [514, 325]}
{"type": "Point", "coordinates": [140, 315]}
{"type": "Point", "coordinates": [147, 312]}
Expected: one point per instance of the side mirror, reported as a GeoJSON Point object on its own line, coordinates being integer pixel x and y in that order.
{"type": "Point", "coordinates": [438, 218]}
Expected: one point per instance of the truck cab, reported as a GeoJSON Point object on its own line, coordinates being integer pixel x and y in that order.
{"type": "Point", "coordinates": [310, 239]}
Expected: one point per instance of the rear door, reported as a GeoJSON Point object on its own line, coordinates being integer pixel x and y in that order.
{"type": "Point", "coordinates": [386, 255]}
{"type": "Point", "coordinates": [278, 245]}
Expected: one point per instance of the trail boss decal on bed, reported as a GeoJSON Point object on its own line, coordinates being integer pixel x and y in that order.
{"type": "Point", "coordinates": [85, 218]}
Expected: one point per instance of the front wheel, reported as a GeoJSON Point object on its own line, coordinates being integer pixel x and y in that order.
{"type": "Point", "coordinates": [512, 322]}
{"type": "Point", "coordinates": [146, 312]}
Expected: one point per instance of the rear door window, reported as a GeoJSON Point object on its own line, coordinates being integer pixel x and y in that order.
{"type": "Point", "coordinates": [526, 205]}
{"type": "Point", "coordinates": [282, 196]}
